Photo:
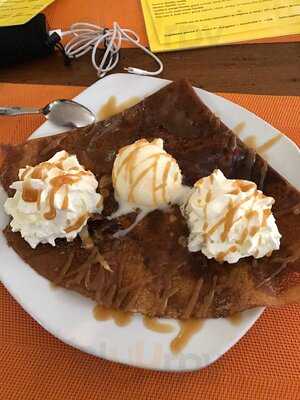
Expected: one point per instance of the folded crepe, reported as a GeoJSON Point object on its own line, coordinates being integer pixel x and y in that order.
{"type": "Point", "coordinates": [150, 270]}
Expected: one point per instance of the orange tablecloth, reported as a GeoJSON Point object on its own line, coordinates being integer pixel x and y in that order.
{"type": "Point", "coordinates": [128, 13]}
{"type": "Point", "coordinates": [34, 365]}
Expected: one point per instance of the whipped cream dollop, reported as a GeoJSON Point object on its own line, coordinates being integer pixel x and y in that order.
{"type": "Point", "coordinates": [53, 200]}
{"type": "Point", "coordinates": [230, 219]}
{"type": "Point", "coordinates": [146, 177]}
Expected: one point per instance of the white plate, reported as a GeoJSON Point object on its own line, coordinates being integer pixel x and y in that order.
{"type": "Point", "coordinates": [68, 316]}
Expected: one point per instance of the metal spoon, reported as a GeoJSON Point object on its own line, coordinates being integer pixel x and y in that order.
{"type": "Point", "coordinates": [66, 113]}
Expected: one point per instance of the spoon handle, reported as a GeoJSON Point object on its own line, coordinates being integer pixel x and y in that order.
{"type": "Point", "coordinates": [18, 110]}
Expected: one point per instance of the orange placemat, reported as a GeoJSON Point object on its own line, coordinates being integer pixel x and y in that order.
{"type": "Point", "coordinates": [128, 13]}
{"type": "Point", "coordinates": [34, 365]}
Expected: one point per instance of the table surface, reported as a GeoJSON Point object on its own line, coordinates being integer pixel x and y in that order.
{"type": "Point", "coordinates": [265, 364]}
{"type": "Point", "coordinates": [272, 68]}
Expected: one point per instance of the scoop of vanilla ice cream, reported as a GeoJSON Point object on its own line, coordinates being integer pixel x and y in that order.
{"type": "Point", "coordinates": [230, 219]}
{"type": "Point", "coordinates": [145, 176]}
{"type": "Point", "coordinates": [53, 200]}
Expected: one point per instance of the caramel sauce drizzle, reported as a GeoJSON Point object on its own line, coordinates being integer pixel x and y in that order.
{"type": "Point", "coordinates": [32, 195]}
{"type": "Point", "coordinates": [65, 203]}
{"type": "Point", "coordinates": [229, 219]}
{"type": "Point", "coordinates": [121, 318]}
{"type": "Point", "coordinates": [154, 189]}
{"type": "Point", "coordinates": [53, 285]}
{"type": "Point", "coordinates": [220, 257]}
{"type": "Point", "coordinates": [39, 171]}
{"type": "Point", "coordinates": [239, 128]}
{"type": "Point", "coordinates": [187, 330]}
{"type": "Point", "coordinates": [251, 214]}
{"type": "Point", "coordinates": [266, 215]}
{"type": "Point", "coordinates": [59, 164]}
{"type": "Point", "coordinates": [155, 325]}
{"type": "Point", "coordinates": [266, 146]}
{"type": "Point", "coordinates": [111, 107]}
{"type": "Point", "coordinates": [57, 183]}
{"type": "Point", "coordinates": [244, 186]}
{"type": "Point", "coordinates": [129, 163]}
{"type": "Point", "coordinates": [128, 160]}
{"type": "Point", "coordinates": [29, 194]}
{"type": "Point", "coordinates": [235, 319]}
{"type": "Point", "coordinates": [77, 224]}
{"type": "Point", "coordinates": [243, 237]}
{"type": "Point", "coordinates": [254, 230]}
{"type": "Point", "coordinates": [165, 177]}
{"type": "Point", "coordinates": [207, 200]}
{"type": "Point", "coordinates": [137, 181]}
{"type": "Point", "coordinates": [250, 141]}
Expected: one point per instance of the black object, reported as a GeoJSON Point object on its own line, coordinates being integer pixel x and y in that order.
{"type": "Point", "coordinates": [22, 43]}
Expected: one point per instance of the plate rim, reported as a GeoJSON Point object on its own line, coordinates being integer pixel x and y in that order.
{"type": "Point", "coordinates": [119, 359]}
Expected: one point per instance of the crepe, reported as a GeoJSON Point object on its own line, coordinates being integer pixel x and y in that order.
{"type": "Point", "coordinates": [152, 271]}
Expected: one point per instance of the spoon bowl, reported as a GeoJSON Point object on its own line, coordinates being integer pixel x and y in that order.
{"type": "Point", "coordinates": [66, 113]}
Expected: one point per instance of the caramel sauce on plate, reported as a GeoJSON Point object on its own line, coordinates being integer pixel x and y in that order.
{"type": "Point", "coordinates": [121, 318]}
{"type": "Point", "coordinates": [235, 319]}
{"type": "Point", "coordinates": [155, 325]}
{"type": "Point", "coordinates": [187, 330]}
{"type": "Point", "coordinates": [250, 141]}
{"type": "Point", "coordinates": [111, 107]}
{"type": "Point", "coordinates": [266, 146]}
{"type": "Point", "coordinates": [53, 285]}
{"type": "Point", "coordinates": [238, 129]}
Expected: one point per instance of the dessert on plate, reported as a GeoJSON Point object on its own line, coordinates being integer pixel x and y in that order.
{"type": "Point", "coordinates": [160, 210]}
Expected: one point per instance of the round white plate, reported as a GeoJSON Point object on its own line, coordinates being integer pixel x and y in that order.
{"type": "Point", "coordinates": [69, 317]}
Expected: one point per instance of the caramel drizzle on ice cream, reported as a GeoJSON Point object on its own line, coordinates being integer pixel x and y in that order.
{"type": "Point", "coordinates": [221, 256]}
{"type": "Point", "coordinates": [31, 195]}
{"type": "Point", "coordinates": [57, 183]}
{"type": "Point", "coordinates": [38, 172]}
{"type": "Point", "coordinates": [129, 165]}
{"type": "Point", "coordinates": [230, 217]}
{"type": "Point", "coordinates": [77, 224]}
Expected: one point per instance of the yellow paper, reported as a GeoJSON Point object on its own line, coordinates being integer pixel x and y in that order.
{"type": "Point", "coordinates": [181, 24]}
{"type": "Point", "coordinates": [17, 12]}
